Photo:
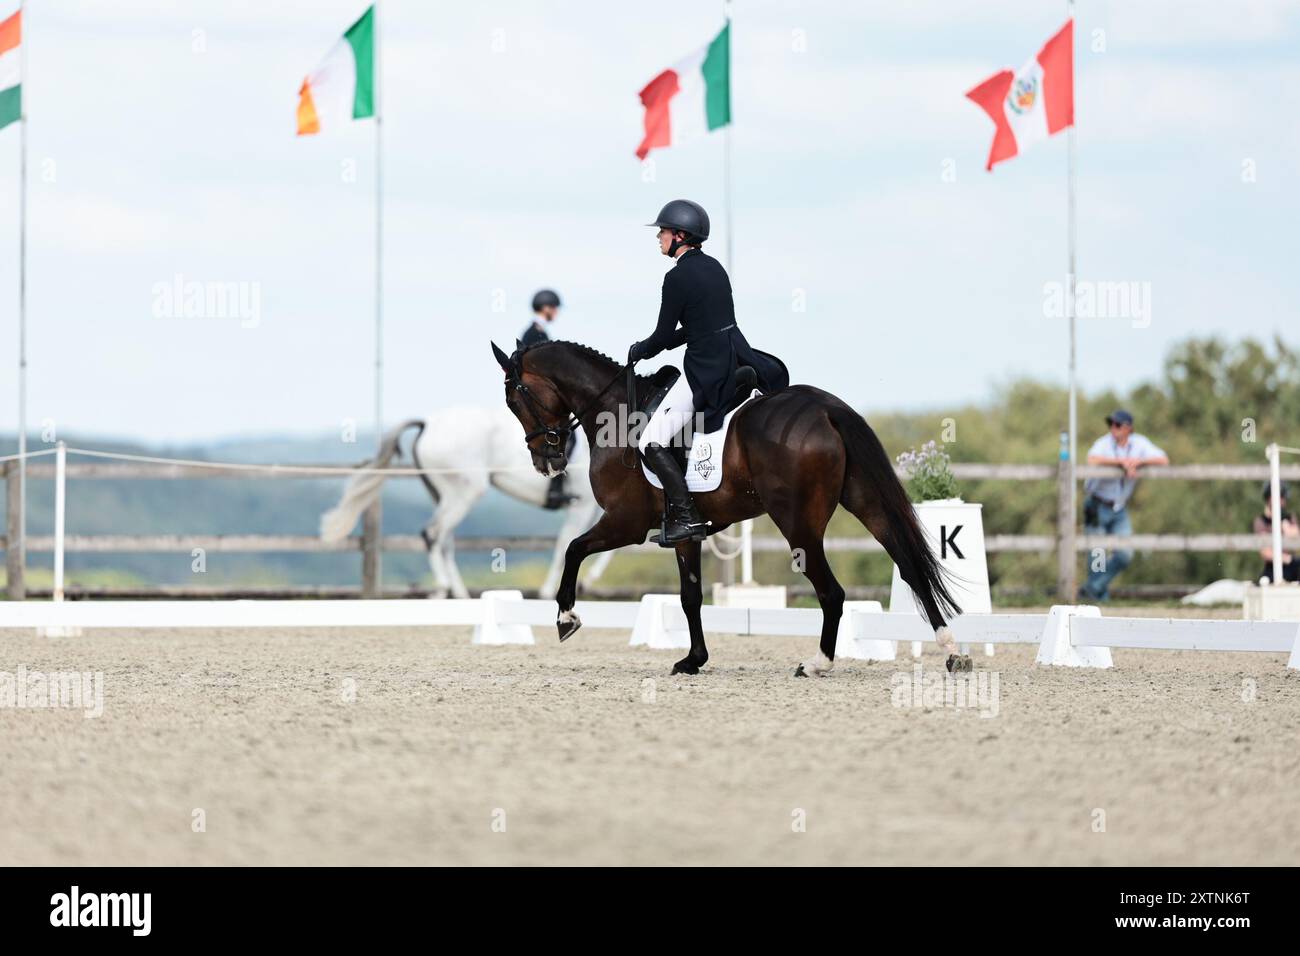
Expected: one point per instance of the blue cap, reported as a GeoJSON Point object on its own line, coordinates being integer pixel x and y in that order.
{"type": "Point", "coordinates": [1119, 417]}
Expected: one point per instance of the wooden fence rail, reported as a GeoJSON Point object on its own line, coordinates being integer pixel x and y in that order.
{"type": "Point", "coordinates": [1065, 543]}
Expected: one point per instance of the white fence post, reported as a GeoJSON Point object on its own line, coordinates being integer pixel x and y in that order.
{"type": "Point", "coordinates": [492, 631]}
{"type": "Point", "coordinates": [852, 641]}
{"type": "Point", "coordinates": [1058, 648]}
{"type": "Point", "coordinates": [60, 498]}
{"type": "Point", "coordinates": [650, 630]}
{"type": "Point", "coordinates": [1275, 494]}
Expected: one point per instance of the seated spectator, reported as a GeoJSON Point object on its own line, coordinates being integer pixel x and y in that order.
{"type": "Point", "coordinates": [1263, 524]}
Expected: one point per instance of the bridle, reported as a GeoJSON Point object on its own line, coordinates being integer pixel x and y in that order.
{"type": "Point", "coordinates": [556, 435]}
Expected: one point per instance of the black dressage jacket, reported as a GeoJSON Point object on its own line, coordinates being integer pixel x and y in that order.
{"type": "Point", "coordinates": [697, 297]}
{"type": "Point", "coordinates": [534, 334]}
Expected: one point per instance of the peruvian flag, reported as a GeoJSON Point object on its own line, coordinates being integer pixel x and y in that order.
{"type": "Point", "coordinates": [692, 96]}
{"type": "Point", "coordinates": [1033, 103]}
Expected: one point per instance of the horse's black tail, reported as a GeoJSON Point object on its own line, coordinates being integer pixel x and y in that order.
{"type": "Point", "coordinates": [917, 565]}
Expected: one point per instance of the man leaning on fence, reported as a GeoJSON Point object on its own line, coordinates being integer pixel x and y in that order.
{"type": "Point", "coordinates": [1105, 506]}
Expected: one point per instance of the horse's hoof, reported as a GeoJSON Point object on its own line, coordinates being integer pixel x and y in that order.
{"type": "Point", "coordinates": [684, 666]}
{"type": "Point", "coordinates": [819, 666]}
{"type": "Point", "coordinates": [567, 623]}
{"type": "Point", "coordinates": [959, 663]}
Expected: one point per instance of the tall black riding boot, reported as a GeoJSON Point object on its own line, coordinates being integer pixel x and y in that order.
{"type": "Point", "coordinates": [682, 522]}
{"type": "Point", "coordinates": [556, 495]}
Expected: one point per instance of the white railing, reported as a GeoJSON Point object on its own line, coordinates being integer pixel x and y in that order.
{"type": "Point", "coordinates": [1066, 542]}
{"type": "Point", "coordinates": [1067, 635]}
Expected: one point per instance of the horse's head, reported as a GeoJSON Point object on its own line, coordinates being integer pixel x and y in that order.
{"type": "Point", "coordinates": [545, 416]}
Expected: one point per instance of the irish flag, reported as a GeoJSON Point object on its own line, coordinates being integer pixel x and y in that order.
{"type": "Point", "coordinates": [343, 86]}
{"type": "Point", "coordinates": [11, 69]}
{"type": "Point", "coordinates": [1032, 104]}
{"type": "Point", "coordinates": [693, 96]}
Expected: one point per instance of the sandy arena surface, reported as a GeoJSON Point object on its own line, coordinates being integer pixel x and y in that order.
{"type": "Point", "coordinates": [588, 752]}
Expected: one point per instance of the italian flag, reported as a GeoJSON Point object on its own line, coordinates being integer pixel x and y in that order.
{"type": "Point", "coordinates": [1032, 104]}
{"type": "Point", "coordinates": [691, 97]}
{"type": "Point", "coordinates": [11, 70]}
{"type": "Point", "coordinates": [343, 86]}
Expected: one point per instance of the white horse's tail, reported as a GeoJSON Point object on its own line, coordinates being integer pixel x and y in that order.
{"type": "Point", "coordinates": [362, 490]}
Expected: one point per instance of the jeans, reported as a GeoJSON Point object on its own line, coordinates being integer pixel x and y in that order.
{"type": "Point", "coordinates": [1109, 521]}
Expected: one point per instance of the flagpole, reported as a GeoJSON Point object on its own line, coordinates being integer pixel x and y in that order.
{"type": "Point", "coordinates": [22, 291]}
{"type": "Point", "coordinates": [726, 143]}
{"type": "Point", "coordinates": [1071, 246]}
{"type": "Point", "coordinates": [379, 236]}
{"type": "Point", "coordinates": [746, 526]}
{"type": "Point", "coordinates": [372, 525]}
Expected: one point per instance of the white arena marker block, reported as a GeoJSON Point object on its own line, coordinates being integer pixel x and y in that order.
{"type": "Point", "coordinates": [489, 631]}
{"type": "Point", "coordinates": [1056, 647]}
{"type": "Point", "coordinates": [650, 630]}
{"type": "Point", "coordinates": [1293, 661]}
{"type": "Point", "coordinates": [59, 630]}
{"type": "Point", "coordinates": [853, 640]}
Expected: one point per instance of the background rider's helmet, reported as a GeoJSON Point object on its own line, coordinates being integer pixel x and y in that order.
{"type": "Point", "coordinates": [544, 298]}
{"type": "Point", "coordinates": [687, 216]}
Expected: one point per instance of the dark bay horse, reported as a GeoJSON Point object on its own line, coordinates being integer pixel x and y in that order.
{"type": "Point", "coordinates": [794, 454]}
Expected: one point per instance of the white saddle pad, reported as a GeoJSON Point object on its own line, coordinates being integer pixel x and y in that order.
{"type": "Point", "coordinates": [704, 464]}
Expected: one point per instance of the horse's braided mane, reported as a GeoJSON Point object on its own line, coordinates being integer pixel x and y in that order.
{"type": "Point", "coordinates": [585, 349]}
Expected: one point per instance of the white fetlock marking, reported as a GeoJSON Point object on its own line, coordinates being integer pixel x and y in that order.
{"type": "Point", "coordinates": [819, 666]}
{"type": "Point", "coordinates": [946, 643]}
{"type": "Point", "coordinates": [567, 617]}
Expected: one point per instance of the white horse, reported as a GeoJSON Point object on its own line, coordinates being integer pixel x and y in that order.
{"type": "Point", "coordinates": [461, 451]}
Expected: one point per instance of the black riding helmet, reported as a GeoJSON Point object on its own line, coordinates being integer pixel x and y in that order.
{"type": "Point", "coordinates": [685, 216]}
{"type": "Point", "coordinates": [544, 298]}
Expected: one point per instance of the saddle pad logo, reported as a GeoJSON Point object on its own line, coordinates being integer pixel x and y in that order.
{"type": "Point", "coordinates": [703, 453]}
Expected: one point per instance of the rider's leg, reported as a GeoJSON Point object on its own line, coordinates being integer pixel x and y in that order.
{"type": "Point", "coordinates": [682, 521]}
{"type": "Point", "coordinates": [556, 496]}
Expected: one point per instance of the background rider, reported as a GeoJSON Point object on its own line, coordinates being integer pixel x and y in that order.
{"type": "Point", "coordinates": [546, 306]}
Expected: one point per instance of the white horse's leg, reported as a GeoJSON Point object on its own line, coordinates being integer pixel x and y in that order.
{"type": "Point", "coordinates": [452, 451]}
{"type": "Point", "coordinates": [598, 566]}
{"type": "Point", "coordinates": [552, 582]}
{"type": "Point", "coordinates": [458, 588]}
{"type": "Point", "coordinates": [452, 510]}
{"type": "Point", "coordinates": [577, 519]}
{"type": "Point", "coordinates": [437, 567]}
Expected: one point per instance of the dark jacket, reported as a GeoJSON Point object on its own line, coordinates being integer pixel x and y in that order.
{"type": "Point", "coordinates": [533, 334]}
{"type": "Point", "coordinates": [697, 311]}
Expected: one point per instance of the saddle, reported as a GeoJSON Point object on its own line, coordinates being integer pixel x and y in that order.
{"type": "Point", "coordinates": [666, 377]}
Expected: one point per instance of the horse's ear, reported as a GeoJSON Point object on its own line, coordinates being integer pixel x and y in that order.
{"type": "Point", "coordinates": [502, 359]}
{"type": "Point", "coordinates": [519, 345]}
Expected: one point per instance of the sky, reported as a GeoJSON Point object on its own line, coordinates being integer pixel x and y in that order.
{"type": "Point", "coordinates": [872, 251]}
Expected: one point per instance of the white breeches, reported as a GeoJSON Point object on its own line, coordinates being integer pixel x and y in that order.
{"type": "Point", "coordinates": [672, 415]}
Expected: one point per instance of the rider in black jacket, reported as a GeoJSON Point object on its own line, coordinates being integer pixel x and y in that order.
{"type": "Point", "coordinates": [696, 311]}
{"type": "Point", "coordinates": [546, 305]}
